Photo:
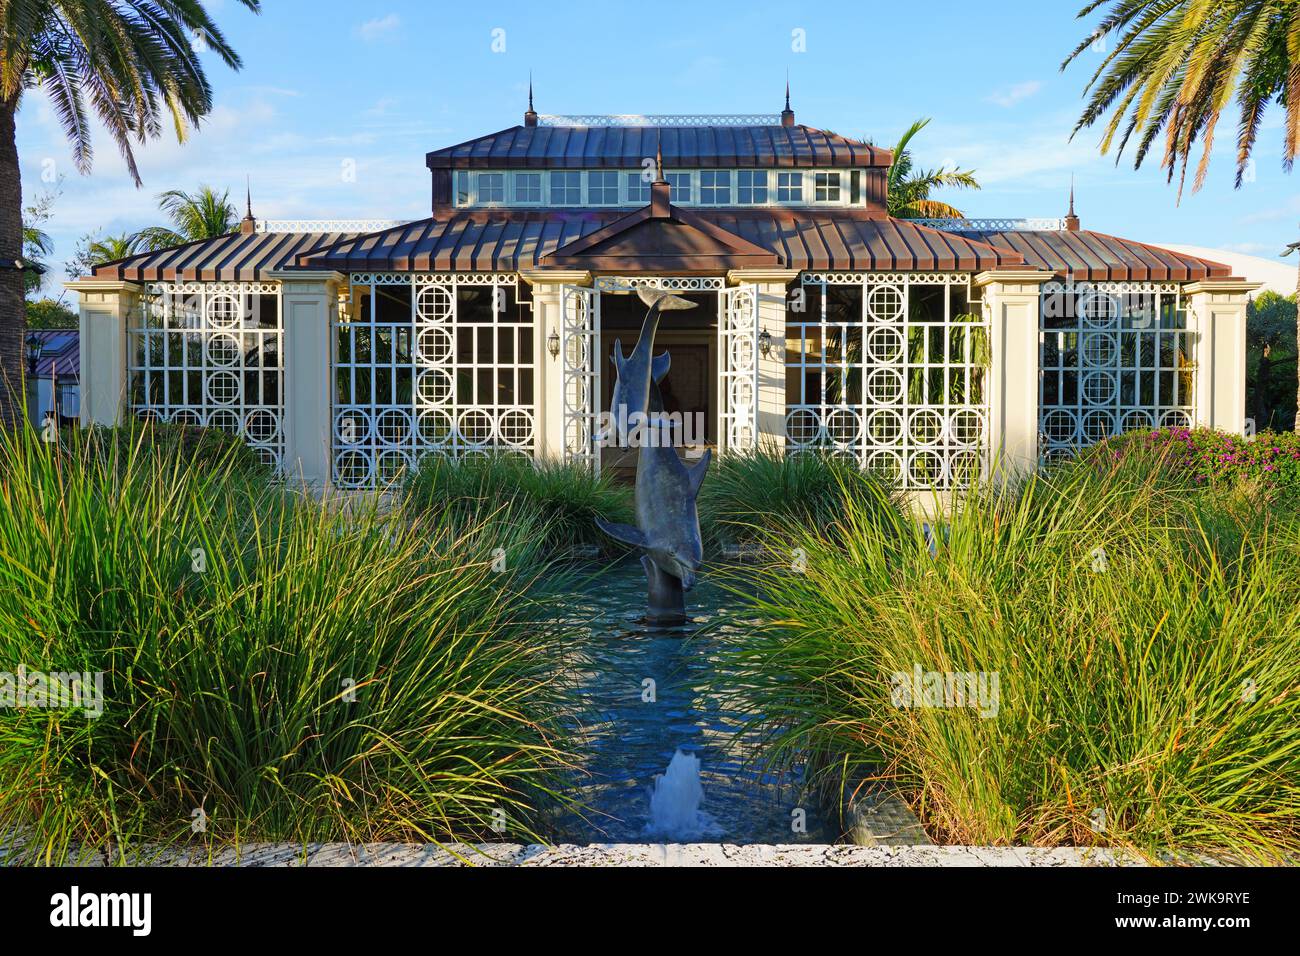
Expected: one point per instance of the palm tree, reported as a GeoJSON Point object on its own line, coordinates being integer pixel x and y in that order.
{"type": "Point", "coordinates": [111, 248]}
{"type": "Point", "coordinates": [201, 215]}
{"type": "Point", "coordinates": [132, 63]}
{"type": "Point", "coordinates": [909, 190]}
{"type": "Point", "coordinates": [1175, 66]}
{"type": "Point", "coordinates": [37, 244]}
{"type": "Point", "coordinates": [1295, 247]}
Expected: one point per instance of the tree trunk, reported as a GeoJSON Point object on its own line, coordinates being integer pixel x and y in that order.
{"type": "Point", "coordinates": [1297, 343]}
{"type": "Point", "coordinates": [13, 310]}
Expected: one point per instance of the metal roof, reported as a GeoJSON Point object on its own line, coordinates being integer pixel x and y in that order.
{"type": "Point", "coordinates": [1096, 257]}
{"type": "Point", "coordinates": [627, 147]}
{"type": "Point", "coordinates": [59, 351]}
{"type": "Point", "coordinates": [234, 258]}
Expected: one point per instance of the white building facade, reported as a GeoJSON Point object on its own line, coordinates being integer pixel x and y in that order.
{"type": "Point", "coordinates": [932, 352]}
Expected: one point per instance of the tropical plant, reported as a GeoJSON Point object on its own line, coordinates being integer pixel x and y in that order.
{"type": "Point", "coordinates": [1270, 360]}
{"type": "Point", "coordinates": [50, 314]}
{"type": "Point", "coordinates": [910, 188]}
{"type": "Point", "coordinates": [1295, 248]}
{"type": "Point", "coordinates": [1176, 65]}
{"type": "Point", "coordinates": [204, 214]}
{"type": "Point", "coordinates": [130, 63]}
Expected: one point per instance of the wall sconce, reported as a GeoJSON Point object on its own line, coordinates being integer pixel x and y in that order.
{"type": "Point", "coordinates": [553, 343]}
{"type": "Point", "coordinates": [765, 342]}
{"type": "Point", "coordinates": [34, 349]}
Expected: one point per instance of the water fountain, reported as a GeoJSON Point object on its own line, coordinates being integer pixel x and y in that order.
{"type": "Point", "coordinates": [675, 799]}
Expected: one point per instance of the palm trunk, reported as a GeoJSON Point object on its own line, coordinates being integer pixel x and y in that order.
{"type": "Point", "coordinates": [1296, 426]}
{"type": "Point", "coordinates": [13, 311]}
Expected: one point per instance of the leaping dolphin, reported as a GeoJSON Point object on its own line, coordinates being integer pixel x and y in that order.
{"type": "Point", "coordinates": [628, 406]}
{"type": "Point", "coordinates": [668, 524]}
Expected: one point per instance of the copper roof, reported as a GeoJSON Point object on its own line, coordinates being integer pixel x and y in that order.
{"type": "Point", "coordinates": [506, 240]}
{"type": "Point", "coordinates": [233, 258]}
{"type": "Point", "coordinates": [1096, 257]}
{"type": "Point", "coordinates": [627, 147]}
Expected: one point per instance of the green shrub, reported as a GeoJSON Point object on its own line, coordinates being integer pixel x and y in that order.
{"type": "Point", "coordinates": [748, 496]}
{"type": "Point", "coordinates": [1144, 637]}
{"type": "Point", "coordinates": [1204, 456]}
{"type": "Point", "coordinates": [564, 497]}
{"type": "Point", "coordinates": [232, 622]}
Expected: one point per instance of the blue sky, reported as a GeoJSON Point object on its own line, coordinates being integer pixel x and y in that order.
{"type": "Point", "coordinates": [329, 87]}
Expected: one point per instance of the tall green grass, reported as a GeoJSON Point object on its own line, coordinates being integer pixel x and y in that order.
{"type": "Point", "coordinates": [747, 497]}
{"type": "Point", "coordinates": [331, 673]}
{"type": "Point", "coordinates": [1146, 638]}
{"type": "Point", "coordinates": [565, 497]}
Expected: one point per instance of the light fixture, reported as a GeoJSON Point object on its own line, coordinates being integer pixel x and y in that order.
{"type": "Point", "coordinates": [553, 343]}
{"type": "Point", "coordinates": [765, 342]}
{"type": "Point", "coordinates": [34, 346]}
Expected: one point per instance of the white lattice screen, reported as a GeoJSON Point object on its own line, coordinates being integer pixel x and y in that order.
{"type": "Point", "coordinates": [738, 346]}
{"type": "Point", "coordinates": [890, 370]}
{"type": "Point", "coordinates": [211, 354]}
{"type": "Point", "coordinates": [431, 364]}
{"type": "Point", "coordinates": [1112, 357]}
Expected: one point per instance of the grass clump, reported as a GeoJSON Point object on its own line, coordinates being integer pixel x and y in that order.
{"type": "Point", "coordinates": [1144, 637]}
{"type": "Point", "coordinates": [295, 671]}
{"type": "Point", "coordinates": [749, 497]}
{"type": "Point", "coordinates": [566, 498]}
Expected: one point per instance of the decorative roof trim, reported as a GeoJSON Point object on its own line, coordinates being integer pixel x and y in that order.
{"type": "Point", "coordinates": [326, 225]}
{"type": "Point", "coordinates": [993, 225]}
{"type": "Point", "coordinates": [659, 119]}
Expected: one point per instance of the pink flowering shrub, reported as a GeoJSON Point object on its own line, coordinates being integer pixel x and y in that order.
{"type": "Point", "coordinates": [1205, 456]}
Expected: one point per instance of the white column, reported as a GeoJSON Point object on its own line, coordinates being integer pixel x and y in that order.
{"type": "Point", "coordinates": [309, 305]}
{"type": "Point", "coordinates": [1011, 300]}
{"type": "Point", "coordinates": [1217, 314]}
{"type": "Point", "coordinates": [548, 388]}
{"type": "Point", "coordinates": [771, 289]}
{"type": "Point", "coordinates": [105, 312]}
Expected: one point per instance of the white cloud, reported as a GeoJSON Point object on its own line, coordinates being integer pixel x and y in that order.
{"type": "Point", "coordinates": [1011, 95]}
{"type": "Point", "coordinates": [379, 28]}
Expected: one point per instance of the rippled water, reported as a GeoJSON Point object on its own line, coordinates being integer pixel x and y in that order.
{"type": "Point", "coordinates": [625, 741]}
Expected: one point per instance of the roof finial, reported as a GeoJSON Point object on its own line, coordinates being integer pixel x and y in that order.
{"type": "Point", "coordinates": [787, 114]}
{"type": "Point", "coordinates": [659, 157]}
{"type": "Point", "coordinates": [248, 225]}
{"type": "Point", "coordinates": [1071, 220]}
{"type": "Point", "coordinates": [530, 117]}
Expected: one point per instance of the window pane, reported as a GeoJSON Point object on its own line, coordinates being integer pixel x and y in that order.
{"type": "Point", "coordinates": [491, 187]}
{"type": "Point", "coordinates": [681, 187]}
{"type": "Point", "coordinates": [566, 189]}
{"type": "Point", "coordinates": [528, 187]}
{"type": "Point", "coordinates": [789, 187]}
{"type": "Point", "coordinates": [827, 187]}
{"type": "Point", "coordinates": [715, 186]}
{"type": "Point", "coordinates": [638, 188]}
{"type": "Point", "coordinates": [751, 186]}
{"type": "Point", "coordinates": [602, 188]}
{"type": "Point", "coordinates": [462, 188]}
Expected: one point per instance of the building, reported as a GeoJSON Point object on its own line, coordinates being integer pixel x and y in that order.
{"type": "Point", "coordinates": [928, 350]}
{"type": "Point", "coordinates": [53, 373]}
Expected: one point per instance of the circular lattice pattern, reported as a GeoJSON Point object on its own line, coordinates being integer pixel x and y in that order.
{"type": "Point", "coordinates": [269, 457]}
{"type": "Point", "coordinates": [885, 386]}
{"type": "Point", "coordinates": [925, 469]}
{"type": "Point", "coordinates": [352, 468]}
{"type": "Point", "coordinates": [884, 426]}
{"type": "Point", "coordinates": [434, 387]}
{"type": "Point", "coordinates": [741, 349]}
{"type": "Point", "coordinates": [224, 419]}
{"type": "Point", "coordinates": [926, 426]}
{"type": "Point", "coordinates": [1099, 388]}
{"type": "Point", "coordinates": [516, 427]}
{"type": "Point", "coordinates": [885, 345]}
{"type": "Point", "coordinates": [577, 436]}
{"type": "Point", "coordinates": [435, 427]}
{"type": "Point", "coordinates": [1099, 310]}
{"type": "Point", "coordinates": [575, 352]}
{"type": "Point", "coordinates": [843, 427]}
{"type": "Point", "coordinates": [222, 388]}
{"type": "Point", "coordinates": [885, 303]}
{"type": "Point", "coordinates": [351, 427]}
{"type": "Point", "coordinates": [261, 426]}
{"type": "Point", "coordinates": [1099, 349]}
{"type": "Point", "coordinates": [1136, 419]}
{"type": "Point", "coordinates": [222, 349]}
{"type": "Point", "coordinates": [886, 465]}
{"type": "Point", "coordinates": [184, 416]}
{"type": "Point", "coordinates": [393, 426]}
{"type": "Point", "coordinates": [1097, 425]}
{"type": "Point", "coordinates": [966, 427]}
{"type": "Point", "coordinates": [224, 311]}
{"type": "Point", "coordinates": [1060, 426]}
{"type": "Point", "coordinates": [577, 391]}
{"type": "Point", "coordinates": [475, 426]}
{"type": "Point", "coordinates": [434, 344]}
{"type": "Point", "coordinates": [391, 465]}
{"type": "Point", "coordinates": [964, 468]}
{"type": "Point", "coordinates": [1176, 418]}
{"type": "Point", "coordinates": [433, 303]}
{"type": "Point", "coordinates": [802, 426]}
{"type": "Point", "coordinates": [742, 396]}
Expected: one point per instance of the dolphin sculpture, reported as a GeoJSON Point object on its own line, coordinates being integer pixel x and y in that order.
{"type": "Point", "coordinates": [628, 405]}
{"type": "Point", "coordinates": [667, 524]}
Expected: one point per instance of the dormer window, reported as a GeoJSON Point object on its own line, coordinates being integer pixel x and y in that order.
{"type": "Point", "coordinates": [715, 187]}
{"type": "Point", "coordinates": [638, 188]}
{"type": "Point", "coordinates": [681, 187]}
{"type": "Point", "coordinates": [827, 187]}
{"type": "Point", "coordinates": [751, 187]}
{"type": "Point", "coordinates": [789, 187]}
{"type": "Point", "coordinates": [491, 187]}
{"type": "Point", "coordinates": [566, 189]}
{"type": "Point", "coordinates": [528, 187]}
{"type": "Point", "coordinates": [602, 188]}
